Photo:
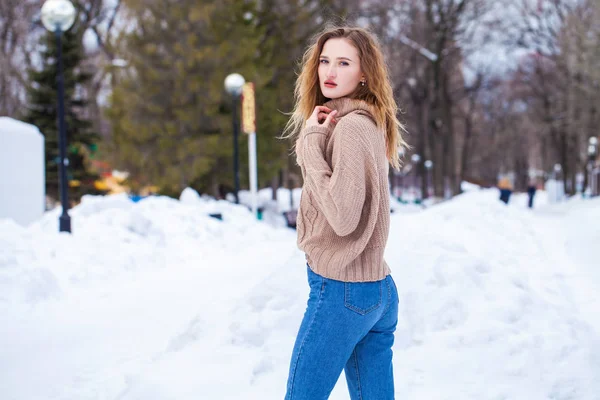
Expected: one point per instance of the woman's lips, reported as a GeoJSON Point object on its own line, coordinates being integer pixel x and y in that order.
{"type": "Point", "coordinates": [330, 85]}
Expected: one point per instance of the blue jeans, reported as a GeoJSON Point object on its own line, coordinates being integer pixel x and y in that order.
{"type": "Point", "coordinates": [347, 326]}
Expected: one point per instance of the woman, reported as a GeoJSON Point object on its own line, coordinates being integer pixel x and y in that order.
{"type": "Point", "coordinates": [347, 135]}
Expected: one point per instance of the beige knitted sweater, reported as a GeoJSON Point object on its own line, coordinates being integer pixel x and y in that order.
{"type": "Point", "coordinates": [344, 215]}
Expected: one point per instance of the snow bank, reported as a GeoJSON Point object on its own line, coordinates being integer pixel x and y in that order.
{"type": "Point", "coordinates": [22, 171]}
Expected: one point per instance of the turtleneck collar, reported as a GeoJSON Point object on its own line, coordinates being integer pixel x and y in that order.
{"type": "Point", "coordinates": [345, 105]}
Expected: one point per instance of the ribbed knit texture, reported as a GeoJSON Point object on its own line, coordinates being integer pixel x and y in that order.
{"type": "Point", "coordinates": [344, 215]}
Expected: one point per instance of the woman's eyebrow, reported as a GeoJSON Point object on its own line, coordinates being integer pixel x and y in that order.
{"type": "Point", "coordinates": [339, 58]}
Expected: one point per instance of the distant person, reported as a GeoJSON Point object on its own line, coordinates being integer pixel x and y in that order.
{"type": "Point", "coordinates": [347, 135]}
{"type": "Point", "coordinates": [505, 189]}
{"type": "Point", "coordinates": [291, 217]}
{"type": "Point", "coordinates": [531, 189]}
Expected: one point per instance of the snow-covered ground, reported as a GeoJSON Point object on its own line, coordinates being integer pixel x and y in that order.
{"type": "Point", "coordinates": [156, 300]}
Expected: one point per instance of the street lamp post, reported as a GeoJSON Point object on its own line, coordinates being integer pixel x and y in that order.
{"type": "Point", "coordinates": [428, 167]}
{"type": "Point", "coordinates": [233, 85]}
{"type": "Point", "coordinates": [592, 153]}
{"type": "Point", "coordinates": [416, 158]}
{"type": "Point", "coordinates": [58, 16]}
{"type": "Point", "coordinates": [557, 171]}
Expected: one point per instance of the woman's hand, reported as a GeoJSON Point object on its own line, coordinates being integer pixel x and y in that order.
{"type": "Point", "coordinates": [322, 116]}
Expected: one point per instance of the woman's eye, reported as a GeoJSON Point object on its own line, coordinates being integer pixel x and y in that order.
{"type": "Point", "coordinates": [324, 61]}
{"type": "Point", "coordinates": [344, 63]}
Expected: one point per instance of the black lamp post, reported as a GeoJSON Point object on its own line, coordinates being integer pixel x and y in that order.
{"type": "Point", "coordinates": [428, 167]}
{"type": "Point", "coordinates": [58, 16]}
{"type": "Point", "coordinates": [233, 85]}
{"type": "Point", "coordinates": [592, 153]}
{"type": "Point", "coordinates": [416, 158]}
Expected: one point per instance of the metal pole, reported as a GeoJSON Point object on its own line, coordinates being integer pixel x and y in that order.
{"type": "Point", "coordinates": [595, 175]}
{"type": "Point", "coordinates": [418, 184]}
{"type": "Point", "coordinates": [556, 197]}
{"type": "Point", "coordinates": [64, 219]}
{"type": "Point", "coordinates": [589, 180]}
{"type": "Point", "coordinates": [253, 172]}
{"type": "Point", "coordinates": [592, 184]}
{"type": "Point", "coordinates": [236, 128]}
{"type": "Point", "coordinates": [428, 182]}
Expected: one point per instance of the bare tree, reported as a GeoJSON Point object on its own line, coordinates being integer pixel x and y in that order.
{"type": "Point", "coordinates": [16, 17]}
{"type": "Point", "coordinates": [562, 37]}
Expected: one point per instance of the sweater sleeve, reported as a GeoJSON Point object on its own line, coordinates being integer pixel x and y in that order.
{"type": "Point", "coordinates": [340, 190]}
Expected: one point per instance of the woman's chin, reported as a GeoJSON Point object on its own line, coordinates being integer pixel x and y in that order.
{"type": "Point", "coordinates": [331, 93]}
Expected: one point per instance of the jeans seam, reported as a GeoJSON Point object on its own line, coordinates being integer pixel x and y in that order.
{"type": "Point", "coordinates": [308, 330]}
{"type": "Point", "coordinates": [357, 375]}
{"type": "Point", "coordinates": [387, 308]}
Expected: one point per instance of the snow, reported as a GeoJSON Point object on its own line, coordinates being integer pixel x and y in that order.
{"type": "Point", "coordinates": [22, 171]}
{"type": "Point", "coordinates": [156, 300]}
{"type": "Point", "coordinates": [284, 201]}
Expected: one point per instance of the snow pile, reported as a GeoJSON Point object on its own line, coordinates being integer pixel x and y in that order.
{"type": "Point", "coordinates": [21, 171]}
{"type": "Point", "coordinates": [157, 300]}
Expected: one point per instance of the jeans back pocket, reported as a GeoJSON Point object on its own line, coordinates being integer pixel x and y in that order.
{"type": "Point", "coordinates": [363, 297]}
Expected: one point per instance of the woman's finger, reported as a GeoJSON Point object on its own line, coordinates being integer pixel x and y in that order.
{"type": "Point", "coordinates": [319, 109]}
{"type": "Point", "coordinates": [330, 118]}
{"type": "Point", "coordinates": [322, 116]}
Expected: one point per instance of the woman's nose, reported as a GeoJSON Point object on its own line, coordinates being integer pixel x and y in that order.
{"type": "Point", "coordinates": [331, 72]}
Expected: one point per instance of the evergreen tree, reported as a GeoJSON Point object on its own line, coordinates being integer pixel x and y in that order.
{"type": "Point", "coordinates": [171, 117]}
{"type": "Point", "coordinates": [43, 113]}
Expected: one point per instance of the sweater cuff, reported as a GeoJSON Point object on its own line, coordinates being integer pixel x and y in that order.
{"type": "Point", "coordinates": [315, 129]}
{"type": "Point", "coordinates": [315, 136]}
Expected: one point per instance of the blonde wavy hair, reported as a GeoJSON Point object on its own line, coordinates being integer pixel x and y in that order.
{"type": "Point", "coordinates": [377, 92]}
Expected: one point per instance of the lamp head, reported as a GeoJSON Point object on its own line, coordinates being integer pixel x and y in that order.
{"type": "Point", "coordinates": [58, 14]}
{"type": "Point", "coordinates": [557, 167]}
{"type": "Point", "coordinates": [234, 83]}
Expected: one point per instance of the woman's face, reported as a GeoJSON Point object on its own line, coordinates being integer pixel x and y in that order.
{"type": "Point", "coordinates": [339, 68]}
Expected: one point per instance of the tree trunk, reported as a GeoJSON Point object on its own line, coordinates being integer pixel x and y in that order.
{"type": "Point", "coordinates": [465, 153]}
{"type": "Point", "coordinates": [450, 150]}
{"type": "Point", "coordinates": [437, 172]}
{"type": "Point", "coordinates": [421, 148]}
{"type": "Point", "coordinates": [521, 172]}
{"type": "Point", "coordinates": [437, 142]}
{"type": "Point", "coordinates": [586, 176]}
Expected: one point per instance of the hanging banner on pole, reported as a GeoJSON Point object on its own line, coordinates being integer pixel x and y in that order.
{"type": "Point", "coordinates": [249, 127]}
{"type": "Point", "coordinates": [248, 108]}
